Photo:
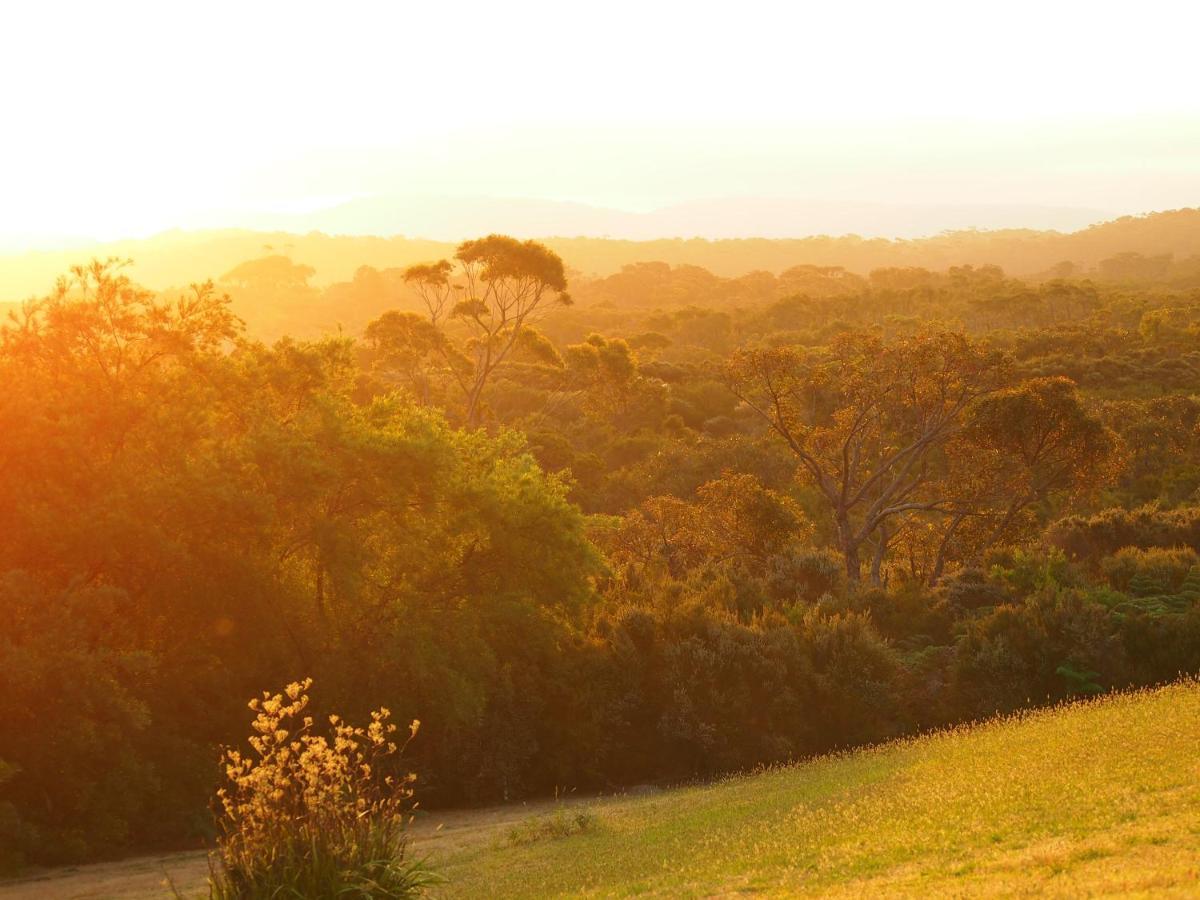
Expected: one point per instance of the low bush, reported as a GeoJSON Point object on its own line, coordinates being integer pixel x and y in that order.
{"type": "Point", "coordinates": [562, 823]}
{"type": "Point", "coordinates": [310, 815]}
{"type": "Point", "coordinates": [1148, 572]}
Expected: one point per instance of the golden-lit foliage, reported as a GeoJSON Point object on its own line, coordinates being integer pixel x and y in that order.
{"type": "Point", "coordinates": [496, 295]}
{"type": "Point", "coordinates": [733, 519]}
{"type": "Point", "coordinates": [925, 439]}
{"type": "Point", "coordinates": [632, 557]}
{"type": "Point", "coordinates": [866, 417]}
{"type": "Point", "coordinates": [312, 814]}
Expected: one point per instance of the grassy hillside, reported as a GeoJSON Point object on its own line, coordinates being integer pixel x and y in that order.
{"type": "Point", "coordinates": [1101, 797]}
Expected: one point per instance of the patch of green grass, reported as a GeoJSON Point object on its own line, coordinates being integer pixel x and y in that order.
{"type": "Point", "coordinates": [1098, 797]}
{"type": "Point", "coordinates": [559, 824]}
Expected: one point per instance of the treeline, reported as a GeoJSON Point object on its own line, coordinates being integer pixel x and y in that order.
{"type": "Point", "coordinates": [587, 544]}
{"type": "Point", "coordinates": [1157, 247]}
{"type": "Point", "coordinates": [276, 295]}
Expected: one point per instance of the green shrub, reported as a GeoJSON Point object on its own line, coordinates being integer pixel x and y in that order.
{"type": "Point", "coordinates": [1026, 571]}
{"type": "Point", "coordinates": [1054, 644]}
{"type": "Point", "coordinates": [1149, 572]}
{"type": "Point", "coordinates": [1092, 538]}
{"type": "Point", "coordinates": [970, 590]}
{"type": "Point", "coordinates": [1190, 589]}
{"type": "Point", "coordinates": [75, 722]}
{"type": "Point", "coordinates": [805, 574]}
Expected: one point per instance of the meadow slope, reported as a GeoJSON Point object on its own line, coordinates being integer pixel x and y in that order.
{"type": "Point", "coordinates": [1095, 799]}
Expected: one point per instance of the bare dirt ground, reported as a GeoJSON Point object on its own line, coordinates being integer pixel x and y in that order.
{"type": "Point", "coordinates": [145, 877]}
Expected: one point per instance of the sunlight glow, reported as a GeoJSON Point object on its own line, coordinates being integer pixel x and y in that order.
{"type": "Point", "coordinates": [215, 113]}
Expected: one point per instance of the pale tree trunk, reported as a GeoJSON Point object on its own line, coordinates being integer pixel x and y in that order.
{"type": "Point", "coordinates": [939, 563]}
{"type": "Point", "coordinates": [880, 553]}
{"type": "Point", "coordinates": [853, 564]}
{"type": "Point", "coordinates": [849, 546]}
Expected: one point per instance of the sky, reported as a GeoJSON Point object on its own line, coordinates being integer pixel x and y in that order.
{"type": "Point", "coordinates": [123, 119]}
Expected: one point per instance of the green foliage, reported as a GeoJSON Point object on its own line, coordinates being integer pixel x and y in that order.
{"type": "Point", "coordinates": [612, 575]}
{"type": "Point", "coordinates": [209, 519]}
{"type": "Point", "coordinates": [1190, 589]}
{"type": "Point", "coordinates": [1026, 571]}
{"type": "Point", "coordinates": [857, 676]}
{"type": "Point", "coordinates": [970, 589]}
{"type": "Point", "coordinates": [1053, 644]}
{"type": "Point", "coordinates": [1092, 538]}
{"type": "Point", "coordinates": [1149, 572]}
{"type": "Point", "coordinates": [1079, 682]}
{"type": "Point", "coordinates": [76, 740]}
{"type": "Point", "coordinates": [805, 575]}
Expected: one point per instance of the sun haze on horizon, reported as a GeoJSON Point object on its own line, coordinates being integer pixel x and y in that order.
{"type": "Point", "coordinates": [132, 118]}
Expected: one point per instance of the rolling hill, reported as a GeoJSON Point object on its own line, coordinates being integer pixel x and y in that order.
{"type": "Point", "coordinates": [1096, 798]}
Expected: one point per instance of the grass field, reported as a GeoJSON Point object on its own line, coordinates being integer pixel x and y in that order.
{"type": "Point", "coordinates": [1094, 799]}
{"type": "Point", "coordinates": [1099, 798]}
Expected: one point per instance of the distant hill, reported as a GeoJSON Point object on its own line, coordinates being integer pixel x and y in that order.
{"type": "Point", "coordinates": [176, 258]}
{"type": "Point", "coordinates": [716, 218]}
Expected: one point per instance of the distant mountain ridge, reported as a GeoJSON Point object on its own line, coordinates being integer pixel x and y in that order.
{"type": "Point", "coordinates": [176, 258]}
{"type": "Point", "coordinates": [719, 218]}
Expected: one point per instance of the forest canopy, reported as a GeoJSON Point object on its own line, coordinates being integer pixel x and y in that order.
{"type": "Point", "coordinates": [592, 531]}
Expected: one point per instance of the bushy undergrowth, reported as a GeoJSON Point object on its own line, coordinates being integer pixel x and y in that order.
{"type": "Point", "coordinates": [310, 815]}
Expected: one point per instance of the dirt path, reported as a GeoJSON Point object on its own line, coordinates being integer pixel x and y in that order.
{"type": "Point", "coordinates": [145, 877]}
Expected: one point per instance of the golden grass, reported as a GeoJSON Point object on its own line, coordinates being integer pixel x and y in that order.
{"type": "Point", "coordinates": [1098, 798]}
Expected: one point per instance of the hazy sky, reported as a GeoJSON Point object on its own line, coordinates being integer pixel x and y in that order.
{"type": "Point", "coordinates": [121, 119]}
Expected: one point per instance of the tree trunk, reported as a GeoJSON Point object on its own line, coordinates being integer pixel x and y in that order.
{"type": "Point", "coordinates": [853, 564]}
{"type": "Point", "coordinates": [939, 563]}
{"type": "Point", "coordinates": [472, 414]}
{"type": "Point", "coordinates": [877, 559]}
{"type": "Point", "coordinates": [849, 547]}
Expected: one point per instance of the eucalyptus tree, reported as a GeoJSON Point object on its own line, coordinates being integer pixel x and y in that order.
{"type": "Point", "coordinates": [493, 293]}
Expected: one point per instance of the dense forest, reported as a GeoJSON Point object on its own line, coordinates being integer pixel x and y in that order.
{"type": "Point", "coordinates": [662, 521]}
